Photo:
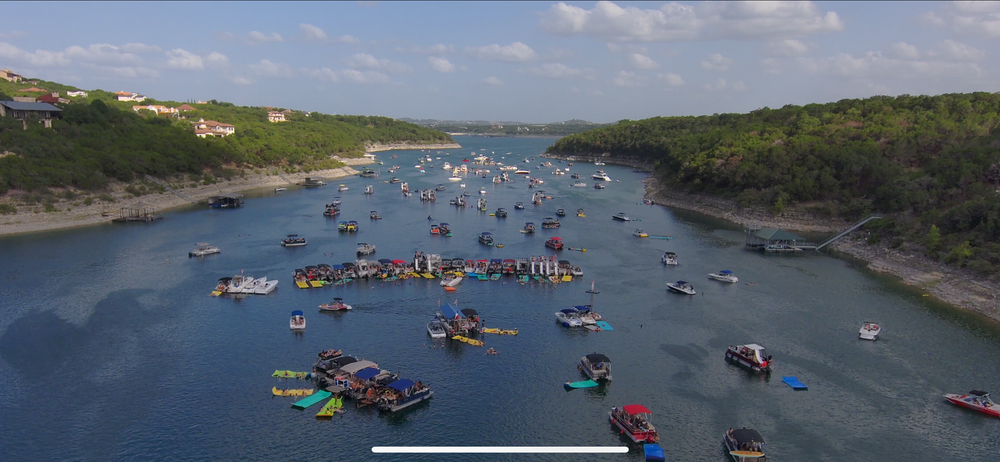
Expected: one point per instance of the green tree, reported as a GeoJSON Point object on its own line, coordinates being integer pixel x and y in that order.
{"type": "Point", "coordinates": [933, 238]}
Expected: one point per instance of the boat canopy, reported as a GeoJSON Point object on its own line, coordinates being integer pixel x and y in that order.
{"type": "Point", "coordinates": [486, 234]}
{"type": "Point", "coordinates": [449, 311]}
{"type": "Point", "coordinates": [680, 283]}
{"type": "Point", "coordinates": [365, 374]}
{"type": "Point", "coordinates": [509, 260]}
{"type": "Point", "coordinates": [725, 272]}
{"type": "Point", "coordinates": [292, 236]}
{"type": "Point", "coordinates": [564, 262]}
{"type": "Point", "coordinates": [671, 254]}
{"type": "Point", "coordinates": [399, 262]}
{"type": "Point", "coordinates": [444, 224]}
{"type": "Point", "coordinates": [747, 435]}
{"type": "Point", "coordinates": [634, 409]}
{"type": "Point", "coordinates": [202, 244]}
{"type": "Point", "coordinates": [529, 223]}
{"type": "Point", "coordinates": [357, 366]}
{"type": "Point", "coordinates": [978, 392]}
{"type": "Point", "coordinates": [343, 360]}
{"type": "Point", "coordinates": [297, 313]}
{"type": "Point", "coordinates": [401, 384]}
{"type": "Point", "coordinates": [582, 308]}
{"type": "Point", "coordinates": [496, 260]}
{"type": "Point", "coordinates": [555, 238]}
{"type": "Point", "coordinates": [595, 358]}
{"type": "Point", "coordinates": [469, 312]}
{"type": "Point", "coordinates": [347, 264]}
{"type": "Point", "coordinates": [225, 279]}
{"type": "Point", "coordinates": [569, 310]}
{"type": "Point", "coordinates": [310, 268]}
{"type": "Point", "coordinates": [385, 261]}
{"type": "Point", "coordinates": [338, 267]}
{"type": "Point", "coordinates": [323, 265]}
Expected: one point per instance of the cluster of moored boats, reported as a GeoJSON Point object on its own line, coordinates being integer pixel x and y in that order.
{"type": "Point", "coordinates": [245, 284]}
{"type": "Point", "coordinates": [365, 383]}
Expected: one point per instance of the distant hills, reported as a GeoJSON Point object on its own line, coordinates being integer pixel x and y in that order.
{"type": "Point", "coordinates": [506, 128]}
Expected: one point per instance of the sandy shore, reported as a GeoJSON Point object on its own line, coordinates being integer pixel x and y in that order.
{"type": "Point", "coordinates": [73, 212]}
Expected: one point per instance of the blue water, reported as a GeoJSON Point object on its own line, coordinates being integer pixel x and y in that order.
{"type": "Point", "coordinates": [112, 349]}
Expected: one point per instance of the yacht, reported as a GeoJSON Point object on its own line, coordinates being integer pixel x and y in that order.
{"type": "Point", "coordinates": [870, 331]}
{"type": "Point", "coordinates": [600, 175]}
{"type": "Point", "coordinates": [568, 317]}
{"type": "Point", "coordinates": [203, 249]}
{"type": "Point", "coordinates": [596, 366]}
{"type": "Point", "coordinates": [298, 321]}
{"type": "Point", "coordinates": [669, 259]}
{"type": "Point", "coordinates": [725, 276]}
{"type": "Point", "coordinates": [267, 287]}
{"type": "Point", "coordinates": [745, 445]}
{"type": "Point", "coordinates": [681, 287]}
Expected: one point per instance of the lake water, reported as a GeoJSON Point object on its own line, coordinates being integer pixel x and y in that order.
{"type": "Point", "coordinates": [112, 349]}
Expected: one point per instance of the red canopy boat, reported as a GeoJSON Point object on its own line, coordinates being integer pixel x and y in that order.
{"type": "Point", "coordinates": [634, 421]}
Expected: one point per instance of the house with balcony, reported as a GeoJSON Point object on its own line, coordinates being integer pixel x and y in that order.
{"type": "Point", "coordinates": [276, 116]}
{"type": "Point", "coordinates": [129, 96]}
{"type": "Point", "coordinates": [76, 93]}
{"type": "Point", "coordinates": [10, 76]}
{"type": "Point", "coordinates": [43, 112]}
{"type": "Point", "coordinates": [205, 128]}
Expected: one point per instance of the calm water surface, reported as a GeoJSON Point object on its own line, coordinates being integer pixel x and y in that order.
{"type": "Point", "coordinates": [111, 348]}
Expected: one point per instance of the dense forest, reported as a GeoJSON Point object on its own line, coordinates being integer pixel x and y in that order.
{"type": "Point", "coordinates": [930, 164]}
{"type": "Point", "coordinates": [99, 139]}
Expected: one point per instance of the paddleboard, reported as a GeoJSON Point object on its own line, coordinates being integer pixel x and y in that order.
{"type": "Point", "coordinates": [315, 398]}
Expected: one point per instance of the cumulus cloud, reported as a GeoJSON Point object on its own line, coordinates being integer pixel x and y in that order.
{"type": "Point", "coordinates": [436, 49]}
{"type": "Point", "coordinates": [717, 62]}
{"type": "Point", "coordinates": [640, 61]}
{"type": "Point", "coordinates": [185, 60]}
{"type": "Point", "coordinates": [13, 34]}
{"type": "Point", "coordinates": [719, 84]}
{"type": "Point", "coordinates": [515, 52]}
{"type": "Point", "coordinates": [266, 68]}
{"type": "Point", "coordinates": [671, 79]}
{"type": "Point", "coordinates": [216, 59]}
{"type": "Point", "coordinates": [140, 48]}
{"type": "Point", "coordinates": [627, 79]}
{"type": "Point", "coordinates": [238, 80]}
{"type": "Point", "coordinates": [559, 71]}
{"type": "Point", "coordinates": [255, 36]}
{"type": "Point", "coordinates": [493, 81]}
{"type": "Point", "coordinates": [739, 85]}
{"type": "Point", "coordinates": [39, 58]}
{"type": "Point", "coordinates": [770, 66]}
{"type": "Point", "coordinates": [101, 53]}
{"type": "Point", "coordinates": [311, 32]}
{"type": "Point", "coordinates": [441, 65]}
{"type": "Point", "coordinates": [875, 64]}
{"type": "Point", "coordinates": [904, 50]}
{"type": "Point", "coordinates": [364, 77]}
{"type": "Point", "coordinates": [128, 72]}
{"type": "Point", "coordinates": [703, 21]}
{"type": "Point", "coordinates": [787, 48]}
{"type": "Point", "coordinates": [954, 51]}
{"type": "Point", "coordinates": [972, 19]}
{"type": "Point", "coordinates": [367, 61]}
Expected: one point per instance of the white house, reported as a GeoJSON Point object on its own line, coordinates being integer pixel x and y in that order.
{"type": "Point", "coordinates": [205, 128]}
{"type": "Point", "coordinates": [10, 76]}
{"type": "Point", "coordinates": [76, 93]}
{"type": "Point", "coordinates": [276, 116]}
{"type": "Point", "coordinates": [129, 96]}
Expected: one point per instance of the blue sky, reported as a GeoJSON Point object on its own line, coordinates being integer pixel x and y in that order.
{"type": "Point", "coordinates": [523, 61]}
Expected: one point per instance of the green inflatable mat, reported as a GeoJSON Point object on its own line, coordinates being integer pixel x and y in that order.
{"type": "Point", "coordinates": [310, 400]}
{"type": "Point", "coordinates": [290, 375]}
{"type": "Point", "coordinates": [584, 384]}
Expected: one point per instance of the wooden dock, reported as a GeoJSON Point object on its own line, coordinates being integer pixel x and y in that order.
{"type": "Point", "coordinates": [139, 213]}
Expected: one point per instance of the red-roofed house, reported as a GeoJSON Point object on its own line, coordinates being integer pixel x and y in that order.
{"type": "Point", "coordinates": [185, 107]}
{"type": "Point", "coordinates": [205, 128]}
{"type": "Point", "coordinates": [51, 98]}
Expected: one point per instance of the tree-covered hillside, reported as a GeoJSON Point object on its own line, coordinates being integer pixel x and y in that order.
{"type": "Point", "coordinates": [926, 160]}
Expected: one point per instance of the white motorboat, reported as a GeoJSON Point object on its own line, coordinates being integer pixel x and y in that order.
{"type": "Point", "coordinates": [203, 249]}
{"type": "Point", "coordinates": [683, 287]}
{"type": "Point", "coordinates": [639, 232]}
{"type": "Point", "coordinates": [586, 315]}
{"type": "Point", "coordinates": [297, 321]}
{"type": "Point", "coordinates": [436, 330]}
{"type": "Point", "coordinates": [237, 284]}
{"type": "Point", "coordinates": [365, 249]}
{"type": "Point", "coordinates": [251, 287]}
{"type": "Point", "coordinates": [451, 281]}
{"type": "Point", "coordinates": [336, 305]}
{"type": "Point", "coordinates": [669, 259]}
{"type": "Point", "coordinates": [599, 163]}
{"type": "Point", "coordinates": [280, 189]}
{"type": "Point", "coordinates": [369, 189]}
{"type": "Point", "coordinates": [568, 317]}
{"type": "Point", "coordinates": [267, 287]}
{"type": "Point", "coordinates": [600, 175]}
{"type": "Point", "coordinates": [621, 217]}
{"type": "Point", "coordinates": [870, 331]}
{"type": "Point", "coordinates": [579, 184]}
{"type": "Point", "coordinates": [724, 276]}
{"type": "Point", "coordinates": [343, 188]}
{"type": "Point", "coordinates": [596, 366]}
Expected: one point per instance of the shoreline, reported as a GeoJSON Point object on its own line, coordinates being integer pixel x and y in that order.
{"type": "Point", "coordinates": [73, 214]}
{"type": "Point", "coordinates": [958, 287]}
{"type": "Point", "coordinates": [379, 147]}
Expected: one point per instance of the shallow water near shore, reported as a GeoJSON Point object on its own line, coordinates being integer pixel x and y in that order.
{"type": "Point", "coordinates": [112, 349]}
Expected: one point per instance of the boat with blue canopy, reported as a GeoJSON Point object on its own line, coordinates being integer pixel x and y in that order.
{"type": "Point", "coordinates": [402, 394]}
{"type": "Point", "coordinates": [367, 373]}
{"type": "Point", "coordinates": [298, 321]}
{"type": "Point", "coordinates": [569, 317]}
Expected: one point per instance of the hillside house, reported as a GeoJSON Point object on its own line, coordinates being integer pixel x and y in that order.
{"type": "Point", "coordinates": [156, 109]}
{"type": "Point", "coordinates": [185, 108]}
{"type": "Point", "coordinates": [276, 116]}
{"type": "Point", "coordinates": [205, 128]}
{"type": "Point", "coordinates": [10, 76]}
{"type": "Point", "coordinates": [44, 112]}
{"type": "Point", "coordinates": [76, 93]}
{"type": "Point", "coordinates": [51, 98]}
{"type": "Point", "coordinates": [129, 96]}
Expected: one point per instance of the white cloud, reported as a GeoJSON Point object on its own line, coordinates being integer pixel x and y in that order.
{"type": "Point", "coordinates": [140, 48]}
{"type": "Point", "coordinates": [972, 19]}
{"type": "Point", "coordinates": [559, 71]}
{"type": "Point", "coordinates": [129, 72]}
{"type": "Point", "coordinates": [101, 53]}
{"type": "Point", "coordinates": [717, 62]}
{"type": "Point", "coordinates": [255, 36]}
{"type": "Point", "coordinates": [367, 61]}
{"type": "Point", "coordinates": [13, 34]}
{"type": "Point", "coordinates": [874, 64]}
{"type": "Point", "coordinates": [238, 80]}
{"type": "Point", "coordinates": [770, 66]}
{"type": "Point", "coordinates": [441, 65]}
{"type": "Point", "coordinates": [589, 91]}
{"type": "Point", "coordinates": [904, 50]}
{"type": "Point", "coordinates": [40, 58]}
{"type": "Point", "coordinates": [720, 84]}
{"type": "Point", "coordinates": [323, 74]}
{"type": "Point", "coordinates": [515, 52]}
{"type": "Point", "coordinates": [627, 79]}
{"type": "Point", "coordinates": [640, 61]}
{"type": "Point", "coordinates": [437, 49]}
{"type": "Point", "coordinates": [702, 21]}
{"type": "Point", "coordinates": [787, 48]}
{"type": "Point", "coordinates": [311, 32]}
{"type": "Point", "coordinates": [364, 77]}
{"type": "Point", "coordinates": [266, 68]}
{"type": "Point", "coordinates": [216, 59]}
{"type": "Point", "coordinates": [671, 79]}
{"type": "Point", "coordinates": [739, 85]}
{"type": "Point", "coordinates": [954, 51]}
{"type": "Point", "coordinates": [493, 81]}
{"type": "Point", "coordinates": [184, 60]}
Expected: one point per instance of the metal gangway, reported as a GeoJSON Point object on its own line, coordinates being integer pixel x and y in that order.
{"type": "Point", "coordinates": [846, 232]}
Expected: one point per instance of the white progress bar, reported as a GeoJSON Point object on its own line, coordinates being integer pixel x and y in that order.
{"type": "Point", "coordinates": [500, 449]}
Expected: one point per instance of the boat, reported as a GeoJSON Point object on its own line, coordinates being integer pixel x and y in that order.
{"type": "Point", "coordinates": [633, 421]}
{"type": "Point", "coordinates": [596, 366]}
{"type": "Point", "coordinates": [560, 213]}
{"type": "Point", "coordinates": [342, 226]}
{"type": "Point", "coordinates": [579, 184]}
{"type": "Point", "coordinates": [298, 321]}
{"type": "Point", "coordinates": [599, 163]}
{"type": "Point", "coordinates": [745, 445]}
{"type": "Point", "coordinates": [870, 331]}
{"type": "Point", "coordinates": [600, 175]}
{"type": "Point", "coordinates": [435, 229]}
{"type": "Point", "coordinates": [486, 238]}
{"type": "Point", "coordinates": [482, 191]}
{"type": "Point", "coordinates": [725, 276]}
{"type": "Point", "coordinates": [436, 330]}
{"type": "Point", "coordinates": [579, 213]}
{"type": "Point", "coordinates": [554, 243]}
{"type": "Point", "coordinates": [331, 212]}
{"type": "Point", "coordinates": [501, 213]}
{"type": "Point", "coordinates": [365, 249]}
{"type": "Point", "coordinates": [976, 400]}
{"type": "Point", "coordinates": [280, 189]}
{"type": "Point", "coordinates": [639, 232]}
{"type": "Point", "coordinates": [529, 228]}
{"type": "Point", "coordinates": [393, 180]}
{"type": "Point", "coordinates": [251, 287]}
{"type": "Point", "coordinates": [444, 229]}
{"type": "Point", "coordinates": [368, 173]}
{"type": "Point", "coordinates": [598, 186]}
{"type": "Point", "coordinates": [620, 216]}
{"type": "Point", "coordinates": [575, 176]}
{"type": "Point", "coordinates": [751, 356]}
{"type": "Point", "coordinates": [267, 287]}
{"type": "Point", "coordinates": [403, 393]}
{"type": "Point", "coordinates": [550, 223]}
{"type": "Point", "coordinates": [451, 281]}
{"type": "Point", "coordinates": [683, 287]}
{"type": "Point", "coordinates": [522, 171]}
{"type": "Point", "coordinates": [312, 183]}
{"type": "Point", "coordinates": [568, 317]}
{"type": "Point", "coordinates": [669, 258]}
{"type": "Point", "coordinates": [203, 249]}
{"type": "Point", "coordinates": [336, 305]}
{"type": "Point", "coordinates": [293, 240]}
{"type": "Point", "coordinates": [336, 202]}
{"type": "Point", "coordinates": [519, 206]}
{"type": "Point", "coordinates": [374, 215]}
{"type": "Point", "coordinates": [352, 226]}
{"type": "Point", "coordinates": [342, 188]}
{"type": "Point", "coordinates": [439, 187]}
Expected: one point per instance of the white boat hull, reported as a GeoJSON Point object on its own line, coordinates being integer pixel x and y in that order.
{"type": "Point", "coordinates": [299, 325]}
{"type": "Point", "coordinates": [568, 321]}
{"type": "Point", "coordinates": [681, 290]}
{"type": "Point", "coordinates": [869, 333]}
{"type": "Point", "coordinates": [252, 286]}
{"type": "Point", "coordinates": [723, 278]}
{"type": "Point", "coordinates": [451, 282]}
{"type": "Point", "coordinates": [266, 288]}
